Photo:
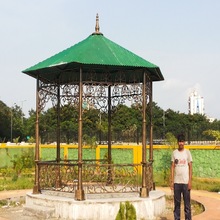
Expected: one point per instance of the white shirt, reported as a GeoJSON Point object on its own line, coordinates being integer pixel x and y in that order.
{"type": "Point", "coordinates": [181, 161]}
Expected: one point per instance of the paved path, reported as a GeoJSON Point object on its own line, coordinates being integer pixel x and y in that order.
{"type": "Point", "coordinates": [13, 213]}
{"type": "Point", "coordinates": [210, 200]}
{"type": "Point", "coordinates": [13, 193]}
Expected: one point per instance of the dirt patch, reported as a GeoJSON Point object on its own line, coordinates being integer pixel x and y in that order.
{"type": "Point", "coordinates": [196, 207]}
{"type": "Point", "coordinates": [12, 208]}
{"type": "Point", "coordinates": [12, 213]}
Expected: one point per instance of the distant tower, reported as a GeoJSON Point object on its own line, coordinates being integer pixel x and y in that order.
{"type": "Point", "coordinates": [196, 104]}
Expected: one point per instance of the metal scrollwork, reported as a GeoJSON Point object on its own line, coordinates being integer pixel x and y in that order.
{"type": "Point", "coordinates": [63, 177]}
{"type": "Point", "coordinates": [70, 94]}
{"type": "Point", "coordinates": [46, 92]}
{"type": "Point", "coordinates": [95, 90]}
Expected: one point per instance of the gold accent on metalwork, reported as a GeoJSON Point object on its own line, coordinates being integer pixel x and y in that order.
{"type": "Point", "coordinates": [79, 195]}
{"type": "Point", "coordinates": [97, 26]}
{"type": "Point", "coordinates": [144, 192]}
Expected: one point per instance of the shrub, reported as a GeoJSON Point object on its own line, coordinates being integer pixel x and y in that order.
{"type": "Point", "coordinates": [25, 160]}
{"type": "Point", "coordinates": [126, 212]}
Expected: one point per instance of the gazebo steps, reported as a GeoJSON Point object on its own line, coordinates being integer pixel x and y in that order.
{"type": "Point", "coordinates": [40, 211]}
{"type": "Point", "coordinates": [96, 208]}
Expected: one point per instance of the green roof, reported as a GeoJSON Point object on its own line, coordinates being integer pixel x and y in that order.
{"type": "Point", "coordinates": [97, 52]}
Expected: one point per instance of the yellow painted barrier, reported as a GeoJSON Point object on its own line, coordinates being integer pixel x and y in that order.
{"type": "Point", "coordinates": [137, 149]}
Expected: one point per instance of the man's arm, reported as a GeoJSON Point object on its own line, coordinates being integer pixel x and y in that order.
{"type": "Point", "coordinates": [190, 176]}
{"type": "Point", "coordinates": [172, 175]}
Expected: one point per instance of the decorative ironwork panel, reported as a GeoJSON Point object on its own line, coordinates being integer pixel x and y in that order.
{"type": "Point", "coordinates": [148, 88]}
{"type": "Point", "coordinates": [58, 176]}
{"type": "Point", "coordinates": [95, 95]}
{"type": "Point", "coordinates": [46, 92]}
{"type": "Point", "coordinates": [70, 94]}
{"type": "Point", "coordinates": [114, 178]}
{"type": "Point", "coordinates": [95, 91]}
{"type": "Point", "coordinates": [121, 93]}
{"type": "Point", "coordinates": [97, 176]}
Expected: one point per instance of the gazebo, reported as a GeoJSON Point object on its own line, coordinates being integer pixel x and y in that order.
{"type": "Point", "coordinates": [104, 74]}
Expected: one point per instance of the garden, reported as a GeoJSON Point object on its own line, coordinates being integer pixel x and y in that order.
{"type": "Point", "coordinates": [17, 167]}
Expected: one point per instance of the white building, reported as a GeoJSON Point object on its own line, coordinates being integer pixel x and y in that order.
{"type": "Point", "coordinates": [196, 104]}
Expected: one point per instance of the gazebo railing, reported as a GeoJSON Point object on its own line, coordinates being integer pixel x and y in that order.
{"type": "Point", "coordinates": [97, 176]}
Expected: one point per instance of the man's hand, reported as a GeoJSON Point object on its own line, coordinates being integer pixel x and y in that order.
{"type": "Point", "coordinates": [189, 185]}
{"type": "Point", "coordinates": [172, 175]}
{"type": "Point", "coordinates": [171, 185]}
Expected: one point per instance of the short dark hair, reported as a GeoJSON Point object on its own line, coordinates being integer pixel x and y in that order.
{"type": "Point", "coordinates": [181, 137]}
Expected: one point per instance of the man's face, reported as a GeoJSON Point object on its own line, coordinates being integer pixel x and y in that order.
{"type": "Point", "coordinates": [181, 144]}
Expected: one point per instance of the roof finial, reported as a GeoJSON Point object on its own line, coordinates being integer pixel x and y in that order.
{"type": "Point", "coordinates": [97, 26]}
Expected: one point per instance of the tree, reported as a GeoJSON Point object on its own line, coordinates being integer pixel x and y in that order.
{"type": "Point", "coordinates": [174, 122]}
{"type": "Point", "coordinates": [158, 122]}
{"type": "Point", "coordinates": [197, 124]}
{"type": "Point", "coordinates": [213, 133]}
{"type": "Point", "coordinates": [90, 118]}
{"type": "Point", "coordinates": [11, 122]}
{"type": "Point", "coordinates": [29, 125]}
{"type": "Point", "coordinates": [5, 122]}
{"type": "Point", "coordinates": [137, 113]}
{"type": "Point", "coordinates": [69, 123]}
{"type": "Point", "coordinates": [126, 123]}
{"type": "Point", "coordinates": [123, 121]}
{"type": "Point", "coordinates": [102, 126]}
{"type": "Point", "coordinates": [17, 122]}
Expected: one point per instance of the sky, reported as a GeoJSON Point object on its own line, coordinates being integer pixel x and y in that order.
{"type": "Point", "coordinates": [181, 37]}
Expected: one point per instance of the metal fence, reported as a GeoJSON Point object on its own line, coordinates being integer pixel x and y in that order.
{"type": "Point", "coordinates": [97, 176]}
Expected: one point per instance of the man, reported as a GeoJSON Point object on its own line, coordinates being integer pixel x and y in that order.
{"type": "Point", "coordinates": [181, 178]}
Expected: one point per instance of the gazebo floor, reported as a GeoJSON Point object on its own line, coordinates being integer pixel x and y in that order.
{"type": "Point", "coordinates": [58, 205]}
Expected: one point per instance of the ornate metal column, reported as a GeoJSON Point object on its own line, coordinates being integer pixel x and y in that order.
{"type": "Point", "coordinates": [144, 191]}
{"type": "Point", "coordinates": [151, 184]}
{"type": "Point", "coordinates": [36, 188]}
{"type": "Point", "coordinates": [109, 137]}
{"type": "Point", "coordinates": [151, 123]}
{"type": "Point", "coordinates": [79, 193]}
{"type": "Point", "coordinates": [58, 181]}
{"type": "Point", "coordinates": [58, 124]}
